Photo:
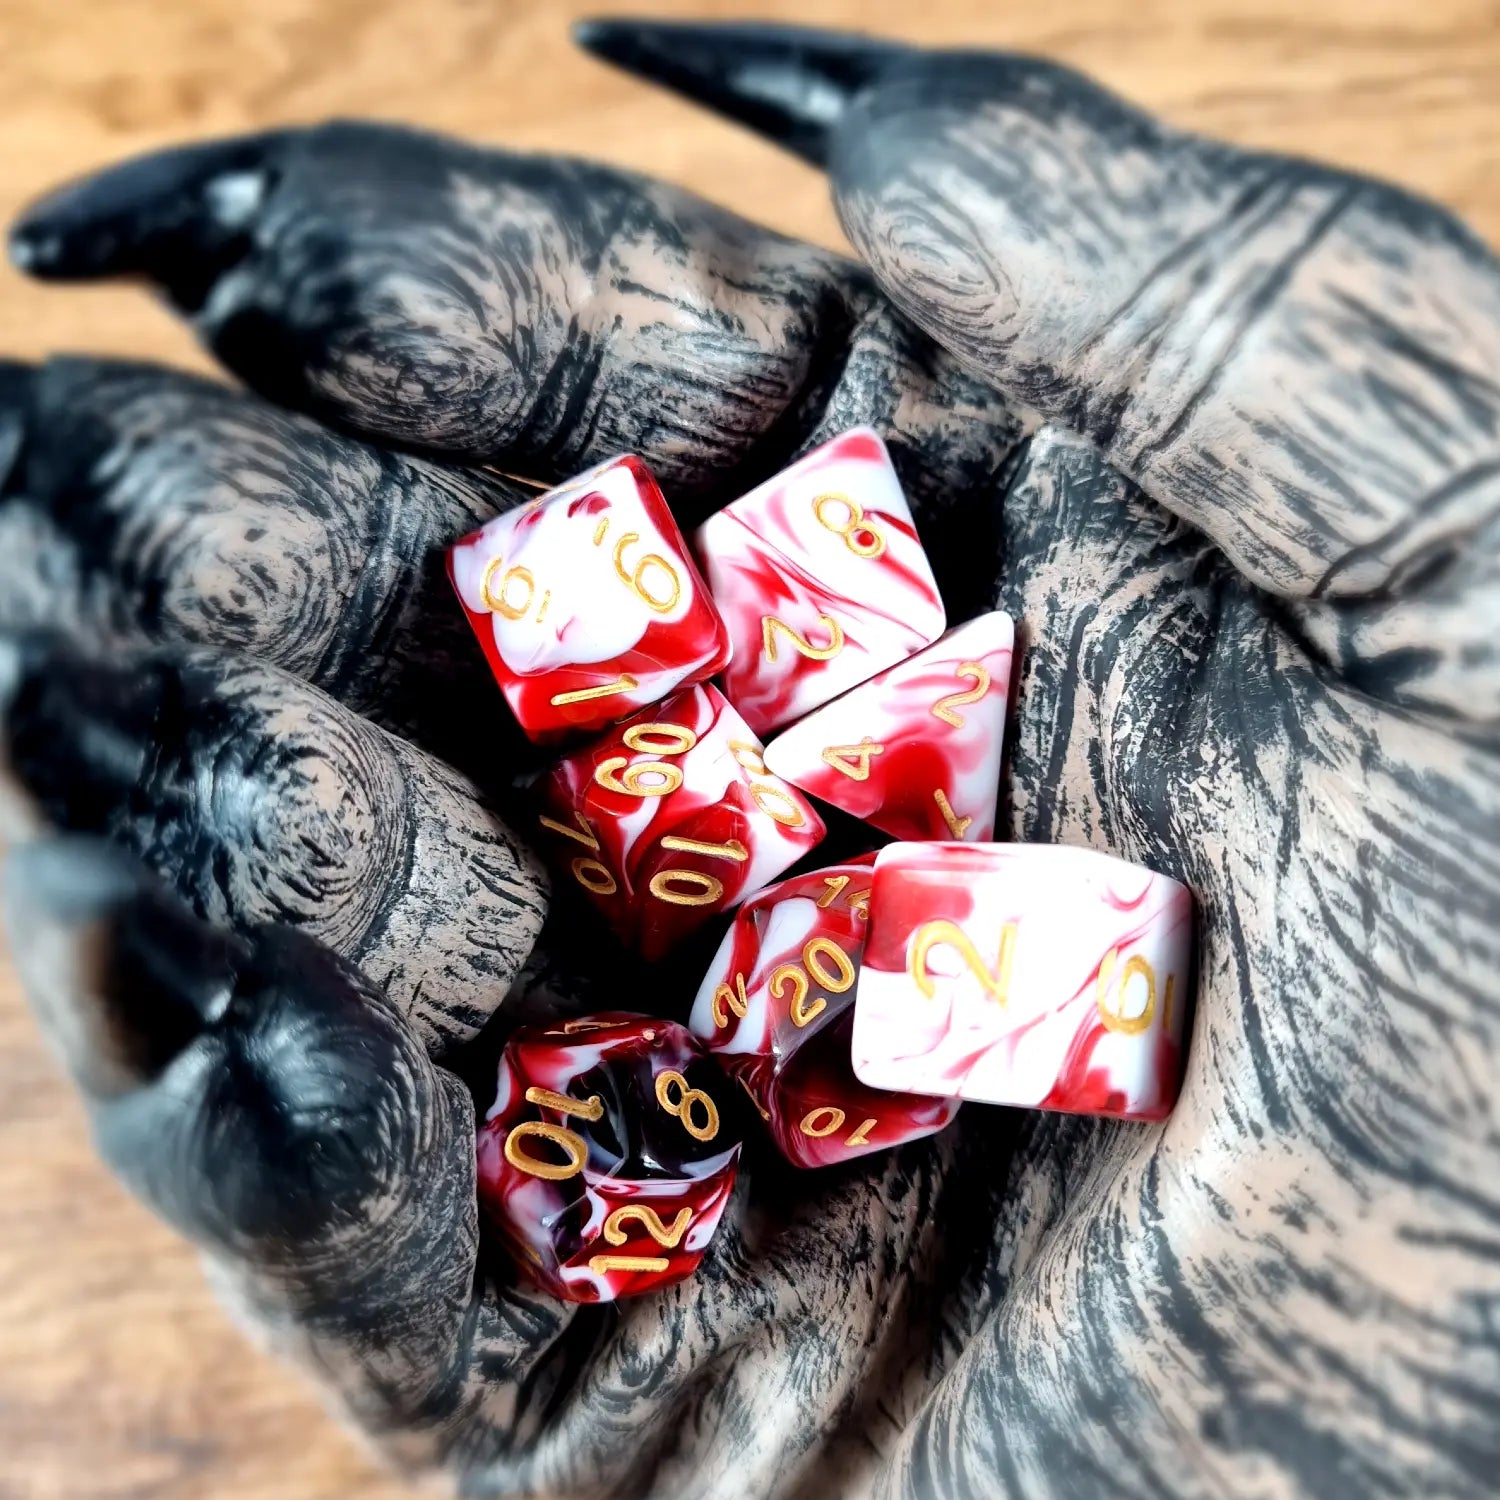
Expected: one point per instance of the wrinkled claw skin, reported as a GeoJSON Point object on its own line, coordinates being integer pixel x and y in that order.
{"type": "Point", "coordinates": [461, 301]}
{"type": "Point", "coordinates": [144, 504]}
{"type": "Point", "coordinates": [262, 800]}
{"type": "Point", "coordinates": [1216, 429]}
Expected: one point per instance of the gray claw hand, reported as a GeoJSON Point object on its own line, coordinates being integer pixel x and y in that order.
{"type": "Point", "coordinates": [1218, 428]}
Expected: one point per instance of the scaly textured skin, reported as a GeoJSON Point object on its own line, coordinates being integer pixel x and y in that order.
{"type": "Point", "coordinates": [1217, 429]}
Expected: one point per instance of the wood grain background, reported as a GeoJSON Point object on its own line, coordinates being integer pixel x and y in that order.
{"type": "Point", "coordinates": [118, 1376]}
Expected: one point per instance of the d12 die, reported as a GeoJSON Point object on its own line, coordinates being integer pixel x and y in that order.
{"type": "Point", "coordinates": [587, 602]}
{"type": "Point", "coordinates": [1027, 974]}
{"type": "Point", "coordinates": [672, 816]}
{"type": "Point", "coordinates": [605, 1163]}
{"type": "Point", "coordinates": [775, 1010]}
{"type": "Point", "coordinates": [916, 750]}
{"type": "Point", "coordinates": [821, 580]}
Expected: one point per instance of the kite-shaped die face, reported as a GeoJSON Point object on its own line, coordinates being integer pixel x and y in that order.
{"type": "Point", "coordinates": [1025, 974]}
{"type": "Point", "coordinates": [587, 602]}
{"type": "Point", "coordinates": [821, 581]}
{"type": "Point", "coordinates": [672, 817]}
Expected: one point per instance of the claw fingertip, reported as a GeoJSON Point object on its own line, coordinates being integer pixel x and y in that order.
{"type": "Point", "coordinates": [790, 84]}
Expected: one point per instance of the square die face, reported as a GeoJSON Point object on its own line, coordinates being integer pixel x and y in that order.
{"type": "Point", "coordinates": [775, 1010]}
{"type": "Point", "coordinates": [587, 602]}
{"type": "Point", "coordinates": [1024, 974]}
{"type": "Point", "coordinates": [916, 750]}
{"type": "Point", "coordinates": [671, 817]}
{"type": "Point", "coordinates": [821, 580]}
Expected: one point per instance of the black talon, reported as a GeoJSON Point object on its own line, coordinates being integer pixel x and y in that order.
{"type": "Point", "coordinates": [787, 83]}
{"type": "Point", "coordinates": [179, 217]}
{"type": "Point", "coordinates": [146, 977]}
{"type": "Point", "coordinates": [16, 380]}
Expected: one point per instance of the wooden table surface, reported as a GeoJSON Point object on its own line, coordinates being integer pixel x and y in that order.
{"type": "Point", "coordinates": [118, 1375]}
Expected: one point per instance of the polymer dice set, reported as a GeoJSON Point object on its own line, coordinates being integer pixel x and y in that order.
{"type": "Point", "coordinates": [850, 1008]}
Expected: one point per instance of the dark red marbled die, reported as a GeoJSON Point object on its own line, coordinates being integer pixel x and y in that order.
{"type": "Point", "coordinates": [606, 1161]}
{"type": "Point", "coordinates": [671, 817]}
{"type": "Point", "coordinates": [776, 1009]}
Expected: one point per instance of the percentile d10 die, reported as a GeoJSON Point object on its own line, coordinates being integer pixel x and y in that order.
{"type": "Point", "coordinates": [671, 817]}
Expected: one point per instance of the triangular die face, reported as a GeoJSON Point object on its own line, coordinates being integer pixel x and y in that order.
{"type": "Point", "coordinates": [916, 750]}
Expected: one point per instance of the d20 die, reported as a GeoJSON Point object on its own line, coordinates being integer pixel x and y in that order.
{"type": "Point", "coordinates": [775, 1010]}
{"type": "Point", "coordinates": [1029, 974]}
{"type": "Point", "coordinates": [671, 817]}
{"type": "Point", "coordinates": [821, 580]}
{"type": "Point", "coordinates": [587, 603]}
{"type": "Point", "coordinates": [916, 750]}
{"type": "Point", "coordinates": [605, 1163]}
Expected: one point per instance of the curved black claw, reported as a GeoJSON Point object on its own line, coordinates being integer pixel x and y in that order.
{"type": "Point", "coordinates": [16, 380]}
{"type": "Point", "coordinates": [791, 84]}
{"type": "Point", "coordinates": [123, 975]}
{"type": "Point", "coordinates": [181, 217]}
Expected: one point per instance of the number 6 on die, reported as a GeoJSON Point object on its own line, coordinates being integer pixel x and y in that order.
{"type": "Point", "coordinates": [1024, 974]}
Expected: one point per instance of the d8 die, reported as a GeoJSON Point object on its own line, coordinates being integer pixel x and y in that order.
{"type": "Point", "coordinates": [1028, 974]}
{"type": "Point", "coordinates": [775, 1009]}
{"type": "Point", "coordinates": [605, 1164]}
{"type": "Point", "coordinates": [672, 817]}
{"type": "Point", "coordinates": [587, 603]}
{"type": "Point", "coordinates": [821, 580]}
{"type": "Point", "coordinates": [916, 750]}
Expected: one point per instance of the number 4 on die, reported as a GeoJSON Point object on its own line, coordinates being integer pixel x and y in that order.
{"type": "Point", "coordinates": [915, 750]}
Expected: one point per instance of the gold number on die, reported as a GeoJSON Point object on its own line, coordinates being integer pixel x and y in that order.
{"type": "Point", "coordinates": [1110, 1014]}
{"type": "Point", "coordinates": [854, 525]}
{"type": "Point", "coordinates": [945, 933]}
{"type": "Point", "coordinates": [971, 671]}
{"type": "Point", "coordinates": [669, 1235]}
{"type": "Point", "coordinates": [636, 581]}
{"type": "Point", "coordinates": [771, 800]}
{"type": "Point", "coordinates": [499, 600]}
{"type": "Point", "coordinates": [568, 1141]}
{"type": "Point", "coordinates": [592, 874]}
{"type": "Point", "coordinates": [682, 1105]}
{"type": "Point", "coordinates": [727, 998]}
{"type": "Point", "coordinates": [853, 760]}
{"type": "Point", "coordinates": [829, 1117]}
{"type": "Point", "coordinates": [770, 624]}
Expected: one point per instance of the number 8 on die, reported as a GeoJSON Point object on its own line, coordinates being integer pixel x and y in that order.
{"type": "Point", "coordinates": [821, 580]}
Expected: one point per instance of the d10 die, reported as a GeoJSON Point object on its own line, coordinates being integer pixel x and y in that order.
{"type": "Point", "coordinates": [916, 750]}
{"type": "Point", "coordinates": [606, 1163]}
{"type": "Point", "coordinates": [587, 602]}
{"type": "Point", "coordinates": [821, 580]}
{"type": "Point", "coordinates": [775, 1010]}
{"type": "Point", "coordinates": [1027, 974]}
{"type": "Point", "coordinates": [672, 817]}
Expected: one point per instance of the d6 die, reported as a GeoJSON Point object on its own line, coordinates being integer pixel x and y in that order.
{"type": "Point", "coordinates": [775, 1010]}
{"type": "Point", "coordinates": [672, 817]}
{"type": "Point", "coordinates": [587, 603]}
{"type": "Point", "coordinates": [821, 580]}
{"type": "Point", "coordinates": [605, 1164]}
{"type": "Point", "coordinates": [1037, 975]}
{"type": "Point", "coordinates": [916, 750]}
